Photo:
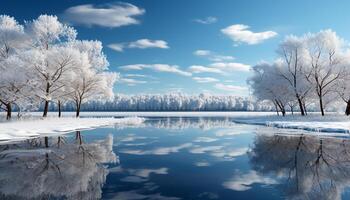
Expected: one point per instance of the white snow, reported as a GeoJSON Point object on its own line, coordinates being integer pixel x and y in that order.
{"type": "Point", "coordinates": [23, 129]}
{"type": "Point", "coordinates": [160, 114]}
{"type": "Point", "coordinates": [331, 123]}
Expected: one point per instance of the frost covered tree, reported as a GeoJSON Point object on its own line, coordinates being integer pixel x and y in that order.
{"type": "Point", "coordinates": [342, 88]}
{"type": "Point", "coordinates": [49, 58]}
{"type": "Point", "coordinates": [43, 62]}
{"type": "Point", "coordinates": [13, 72]}
{"type": "Point", "coordinates": [267, 84]}
{"type": "Point", "coordinates": [327, 61]}
{"type": "Point", "coordinates": [314, 68]}
{"type": "Point", "coordinates": [292, 53]}
{"type": "Point", "coordinates": [89, 79]}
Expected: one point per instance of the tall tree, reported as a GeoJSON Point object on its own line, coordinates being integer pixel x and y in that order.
{"type": "Point", "coordinates": [48, 36]}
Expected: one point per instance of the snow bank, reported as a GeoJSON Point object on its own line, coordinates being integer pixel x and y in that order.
{"type": "Point", "coordinates": [316, 123]}
{"type": "Point", "coordinates": [23, 129]}
{"type": "Point", "coordinates": [159, 114]}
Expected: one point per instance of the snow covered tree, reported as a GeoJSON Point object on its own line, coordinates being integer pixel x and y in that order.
{"type": "Point", "coordinates": [50, 59]}
{"type": "Point", "coordinates": [292, 53]}
{"type": "Point", "coordinates": [327, 58]}
{"type": "Point", "coordinates": [267, 84]}
{"type": "Point", "coordinates": [89, 79]}
{"type": "Point", "coordinates": [13, 73]}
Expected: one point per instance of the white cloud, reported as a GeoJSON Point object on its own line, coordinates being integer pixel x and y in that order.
{"type": "Point", "coordinates": [202, 164]}
{"type": "Point", "coordinates": [207, 20]}
{"type": "Point", "coordinates": [146, 43]}
{"type": "Point", "coordinates": [135, 75]}
{"type": "Point", "coordinates": [220, 68]}
{"type": "Point", "coordinates": [231, 88]}
{"type": "Point", "coordinates": [140, 76]}
{"type": "Point", "coordinates": [202, 69]}
{"type": "Point", "coordinates": [108, 15]}
{"type": "Point", "coordinates": [202, 52]}
{"type": "Point", "coordinates": [205, 79]}
{"type": "Point", "coordinates": [116, 47]}
{"type": "Point", "coordinates": [140, 44]}
{"type": "Point", "coordinates": [131, 82]}
{"type": "Point", "coordinates": [212, 55]}
{"type": "Point", "coordinates": [244, 182]}
{"type": "Point", "coordinates": [133, 67]}
{"type": "Point", "coordinates": [231, 66]}
{"type": "Point", "coordinates": [158, 67]}
{"type": "Point", "coordinates": [240, 34]}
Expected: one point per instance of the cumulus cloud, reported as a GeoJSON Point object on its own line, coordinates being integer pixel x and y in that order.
{"type": "Point", "coordinates": [203, 69]}
{"type": "Point", "coordinates": [205, 79]}
{"type": "Point", "coordinates": [136, 75]}
{"type": "Point", "coordinates": [131, 82]}
{"type": "Point", "coordinates": [231, 66]}
{"type": "Point", "coordinates": [116, 47]}
{"type": "Point", "coordinates": [207, 20]}
{"type": "Point", "coordinates": [220, 68]}
{"type": "Point", "coordinates": [146, 43]}
{"type": "Point", "coordinates": [231, 88]}
{"type": "Point", "coordinates": [140, 44]}
{"type": "Point", "coordinates": [158, 67]}
{"type": "Point", "coordinates": [239, 33]}
{"type": "Point", "coordinates": [212, 55]}
{"type": "Point", "coordinates": [107, 15]}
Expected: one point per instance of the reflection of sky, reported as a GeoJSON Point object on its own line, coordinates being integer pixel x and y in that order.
{"type": "Point", "coordinates": [229, 162]}
{"type": "Point", "coordinates": [192, 163]}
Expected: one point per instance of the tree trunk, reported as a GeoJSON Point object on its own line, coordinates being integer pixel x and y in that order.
{"type": "Point", "coordinates": [46, 107]}
{"type": "Point", "coordinates": [301, 107]}
{"type": "Point", "coordinates": [282, 109]}
{"type": "Point", "coordinates": [78, 104]}
{"type": "Point", "coordinates": [283, 112]}
{"type": "Point", "coordinates": [304, 105]}
{"type": "Point", "coordinates": [347, 111]}
{"type": "Point", "coordinates": [8, 111]}
{"type": "Point", "coordinates": [292, 110]}
{"type": "Point", "coordinates": [321, 106]}
{"type": "Point", "coordinates": [59, 109]}
{"type": "Point", "coordinates": [276, 108]}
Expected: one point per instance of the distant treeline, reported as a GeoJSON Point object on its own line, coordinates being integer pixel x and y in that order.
{"type": "Point", "coordinates": [172, 102]}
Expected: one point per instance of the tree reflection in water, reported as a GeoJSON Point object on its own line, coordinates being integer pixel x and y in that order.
{"type": "Point", "coordinates": [312, 167]}
{"type": "Point", "coordinates": [38, 169]}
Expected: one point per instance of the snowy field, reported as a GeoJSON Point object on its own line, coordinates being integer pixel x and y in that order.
{"type": "Point", "coordinates": [37, 127]}
{"type": "Point", "coordinates": [331, 123]}
{"type": "Point", "coordinates": [160, 114]}
{"type": "Point", "coordinates": [32, 125]}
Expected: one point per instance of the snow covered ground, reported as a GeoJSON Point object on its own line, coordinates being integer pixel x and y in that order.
{"type": "Point", "coordinates": [331, 123]}
{"type": "Point", "coordinates": [32, 125]}
{"type": "Point", "coordinates": [37, 127]}
{"type": "Point", "coordinates": [160, 114]}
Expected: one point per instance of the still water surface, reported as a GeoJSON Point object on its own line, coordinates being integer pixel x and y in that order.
{"type": "Point", "coordinates": [177, 158]}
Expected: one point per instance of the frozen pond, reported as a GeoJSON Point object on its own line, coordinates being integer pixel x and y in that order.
{"type": "Point", "coordinates": [177, 158]}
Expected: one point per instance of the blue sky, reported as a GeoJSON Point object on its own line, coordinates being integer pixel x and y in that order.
{"type": "Point", "coordinates": [160, 39]}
